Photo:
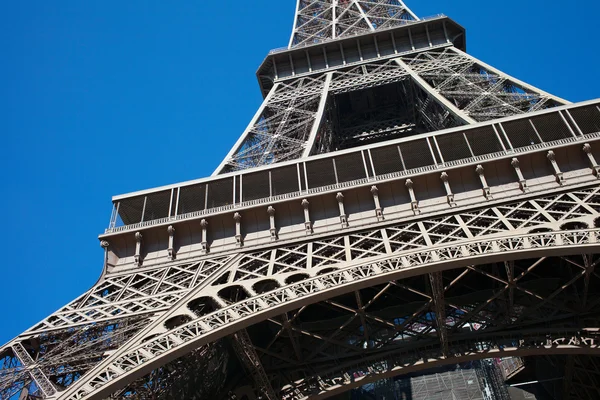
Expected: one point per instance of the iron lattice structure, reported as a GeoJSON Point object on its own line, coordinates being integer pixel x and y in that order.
{"type": "Point", "coordinates": [395, 205]}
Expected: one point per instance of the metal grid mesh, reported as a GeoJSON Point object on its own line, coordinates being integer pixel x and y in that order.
{"type": "Point", "coordinates": [416, 154]}
{"type": "Point", "coordinates": [130, 210]}
{"type": "Point", "coordinates": [386, 160]}
{"type": "Point", "coordinates": [320, 173]}
{"type": "Point", "coordinates": [587, 118]}
{"type": "Point", "coordinates": [483, 141]}
{"type": "Point", "coordinates": [284, 180]}
{"type": "Point", "coordinates": [220, 193]}
{"type": "Point", "coordinates": [453, 147]}
{"type": "Point", "coordinates": [191, 198]}
{"type": "Point", "coordinates": [157, 205]}
{"type": "Point", "coordinates": [551, 127]}
{"type": "Point", "coordinates": [520, 133]}
{"type": "Point", "coordinates": [350, 167]}
{"type": "Point", "coordinates": [255, 186]}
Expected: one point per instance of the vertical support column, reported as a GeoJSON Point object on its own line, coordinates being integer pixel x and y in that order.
{"type": "Point", "coordinates": [589, 270]}
{"type": "Point", "coordinates": [272, 230]}
{"type": "Point", "coordinates": [568, 379]}
{"type": "Point", "coordinates": [522, 182]}
{"type": "Point", "coordinates": [137, 258]}
{"type": "Point", "coordinates": [238, 229]}
{"type": "Point", "coordinates": [378, 211]}
{"type": "Point", "coordinates": [171, 249]}
{"type": "Point", "coordinates": [394, 43]}
{"type": "Point", "coordinates": [449, 194]}
{"type": "Point", "coordinates": [486, 189]}
{"type": "Point", "coordinates": [587, 149]}
{"type": "Point", "coordinates": [343, 217]}
{"type": "Point", "coordinates": [439, 306]}
{"type": "Point", "coordinates": [307, 223]}
{"type": "Point", "coordinates": [360, 54]}
{"type": "Point", "coordinates": [510, 273]}
{"type": "Point", "coordinates": [318, 117]}
{"type": "Point", "coordinates": [557, 172]}
{"type": "Point", "coordinates": [414, 204]}
{"type": "Point", "coordinates": [204, 243]}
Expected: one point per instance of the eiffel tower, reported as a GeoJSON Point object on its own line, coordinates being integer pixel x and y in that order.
{"type": "Point", "coordinates": [394, 206]}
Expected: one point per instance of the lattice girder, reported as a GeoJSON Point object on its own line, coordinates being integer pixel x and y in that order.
{"type": "Point", "coordinates": [318, 21]}
{"type": "Point", "coordinates": [443, 88]}
{"type": "Point", "coordinates": [453, 280]}
{"type": "Point", "coordinates": [306, 269]}
{"type": "Point", "coordinates": [182, 337]}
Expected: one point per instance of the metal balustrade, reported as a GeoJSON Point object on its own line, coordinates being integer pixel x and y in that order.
{"type": "Point", "coordinates": [211, 326]}
{"type": "Point", "coordinates": [230, 195]}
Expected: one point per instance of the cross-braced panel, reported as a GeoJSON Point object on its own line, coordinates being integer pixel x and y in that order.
{"type": "Point", "coordinates": [137, 293]}
{"type": "Point", "coordinates": [283, 127]}
{"type": "Point", "coordinates": [472, 87]}
{"type": "Point", "coordinates": [318, 21]}
{"type": "Point", "coordinates": [372, 331]}
{"type": "Point", "coordinates": [428, 309]}
{"type": "Point", "coordinates": [320, 255]}
{"type": "Point", "coordinates": [47, 363]}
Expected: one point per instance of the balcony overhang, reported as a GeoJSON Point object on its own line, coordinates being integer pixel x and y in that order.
{"type": "Point", "coordinates": [428, 33]}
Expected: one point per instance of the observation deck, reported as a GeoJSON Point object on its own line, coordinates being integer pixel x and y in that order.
{"type": "Point", "coordinates": [427, 33]}
{"type": "Point", "coordinates": [257, 206]}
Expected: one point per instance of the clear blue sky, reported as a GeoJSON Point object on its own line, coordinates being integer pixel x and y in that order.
{"type": "Point", "coordinates": [106, 97]}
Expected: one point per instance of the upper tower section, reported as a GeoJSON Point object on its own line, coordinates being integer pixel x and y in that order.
{"type": "Point", "coordinates": [318, 21]}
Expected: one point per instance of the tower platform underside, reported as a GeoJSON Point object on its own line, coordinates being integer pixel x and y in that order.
{"type": "Point", "coordinates": [399, 220]}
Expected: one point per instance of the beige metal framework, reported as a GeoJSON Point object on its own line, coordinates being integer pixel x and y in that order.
{"type": "Point", "coordinates": [395, 205]}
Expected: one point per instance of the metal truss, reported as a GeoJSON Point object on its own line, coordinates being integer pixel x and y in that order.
{"type": "Point", "coordinates": [475, 88]}
{"type": "Point", "coordinates": [247, 353]}
{"type": "Point", "coordinates": [582, 375]}
{"type": "Point", "coordinates": [197, 375]}
{"type": "Point", "coordinates": [439, 89]}
{"type": "Point", "coordinates": [317, 21]}
{"type": "Point", "coordinates": [145, 354]}
{"type": "Point", "coordinates": [313, 316]}
{"type": "Point", "coordinates": [282, 126]}
{"type": "Point", "coordinates": [132, 294]}
{"type": "Point", "coordinates": [87, 351]}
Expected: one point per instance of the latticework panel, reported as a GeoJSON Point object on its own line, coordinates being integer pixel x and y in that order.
{"type": "Point", "coordinates": [283, 127]}
{"type": "Point", "coordinates": [480, 92]}
{"type": "Point", "coordinates": [332, 298]}
{"type": "Point", "coordinates": [318, 21]}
